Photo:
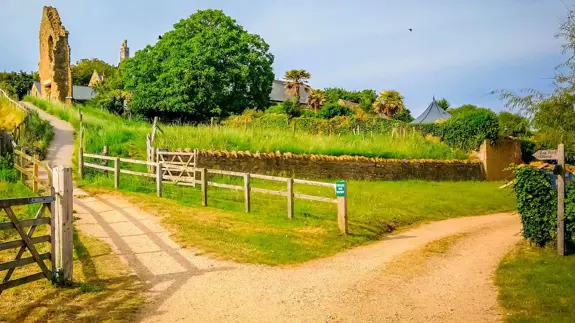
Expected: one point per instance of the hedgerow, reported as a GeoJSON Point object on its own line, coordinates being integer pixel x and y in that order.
{"type": "Point", "coordinates": [537, 204]}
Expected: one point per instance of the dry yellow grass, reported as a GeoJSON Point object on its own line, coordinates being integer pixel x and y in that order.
{"type": "Point", "coordinates": [412, 263]}
{"type": "Point", "coordinates": [10, 116]}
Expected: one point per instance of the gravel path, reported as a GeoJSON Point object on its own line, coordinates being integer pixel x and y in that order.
{"type": "Point", "coordinates": [184, 286]}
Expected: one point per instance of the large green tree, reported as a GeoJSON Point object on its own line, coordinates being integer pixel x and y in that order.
{"type": "Point", "coordinates": [17, 84]}
{"type": "Point", "coordinates": [444, 104]}
{"type": "Point", "coordinates": [207, 66]}
{"type": "Point", "coordinates": [553, 114]}
{"type": "Point", "coordinates": [513, 125]}
{"type": "Point", "coordinates": [83, 69]}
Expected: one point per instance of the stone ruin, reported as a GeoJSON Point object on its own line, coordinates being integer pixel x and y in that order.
{"type": "Point", "coordinates": [54, 66]}
{"type": "Point", "coordinates": [124, 51]}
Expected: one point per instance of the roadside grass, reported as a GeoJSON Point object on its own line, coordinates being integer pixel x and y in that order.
{"type": "Point", "coordinates": [104, 289]}
{"type": "Point", "coordinates": [126, 138]}
{"type": "Point", "coordinates": [267, 236]}
{"type": "Point", "coordinates": [536, 285]}
{"type": "Point", "coordinates": [10, 116]}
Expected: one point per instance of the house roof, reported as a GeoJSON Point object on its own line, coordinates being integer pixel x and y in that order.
{"type": "Point", "coordinates": [79, 93]}
{"type": "Point", "coordinates": [278, 93]}
{"type": "Point", "coordinates": [433, 113]}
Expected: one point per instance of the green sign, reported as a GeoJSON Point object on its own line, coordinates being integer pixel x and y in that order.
{"type": "Point", "coordinates": [340, 189]}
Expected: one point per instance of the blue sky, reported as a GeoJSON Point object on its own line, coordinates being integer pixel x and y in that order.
{"type": "Point", "coordinates": [460, 50]}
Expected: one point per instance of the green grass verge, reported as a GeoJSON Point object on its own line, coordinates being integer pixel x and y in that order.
{"type": "Point", "coordinates": [126, 138]}
{"type": "Point", "coordinates": [104, 289]}
{"type": "Point", "coordinates": [266, 235]}
{"type": "Point", "coordinates": [536, 285]}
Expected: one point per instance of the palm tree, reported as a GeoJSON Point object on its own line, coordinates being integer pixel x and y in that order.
{"type": "Point", "coordinates": [316, 99]}
{"type": "Point", "coordinates": [389, 103]}
{"type": "Point", "coordinates": [295, 80]}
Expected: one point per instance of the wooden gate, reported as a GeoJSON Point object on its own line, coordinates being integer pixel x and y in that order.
{"type": "Point", "coordinates": [178, 166]}
{"type": "Point", "coordinates": [56, 211]}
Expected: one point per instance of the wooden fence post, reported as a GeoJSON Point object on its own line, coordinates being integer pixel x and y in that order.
{"type": "Point", "coordinates": [116, 172]}
{"type": "Point", "coordinates": [342, 207]}
{"type": "Point", "coordinates": [204, 187]}
{"type": "Point", "coordinates": [35, 173]}
{"type": "Point", "coordinates": [22, 176]}
{"type": "Point", "coordinates": [61, 226]}
{"type": "Point", "coordinates": [561, 201]}
{"type": "Point", "coordinates": [159, 178]}
{"type": "Point", "coordinates": [247, 191]}
{"type": "Point", "coordinates": [81, 151]}
{"type": "Point", "coordinates": [290, 197]}
{"type": "Point", "coordinates": [196, 157]}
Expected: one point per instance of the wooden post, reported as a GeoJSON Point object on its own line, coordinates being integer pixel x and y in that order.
{"type": "Point", "coordinates": [561, 201]}
{"type": "Point", "coordinates": [204, 187]}
{"type": "Point", "coordinates": [35, 173]}
{"type": "Point", "coordinates": [290, 197]}
{"type": "Point", "coordinates": [159, 178]}
{"type": "Point", "coordinates": [247, 191]}
{"type": "Point", "coordinates": [61, 226]}
{"type": "Point", "coordinates": [22, 176]}
{"type": "Point", "coordinates": [196, 157]}
{"type": "Point", "coordinates": [341, 194]}
{"type": "Point", "coordinates": [116, 172]}
{"type": "Point", "coordinates": [81, 151]}
{"type": "Point", "coordinates": [154, 128]}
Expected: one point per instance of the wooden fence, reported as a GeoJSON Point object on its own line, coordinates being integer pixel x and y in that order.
{"type": "Point", "coordinates": [16, 134]}
{"type": "Point", "coordinates": [59, 203]}
{"type": "Point", "coordinates": [33, 170]}
{"type": "Point", "coordinates": [201, 176]}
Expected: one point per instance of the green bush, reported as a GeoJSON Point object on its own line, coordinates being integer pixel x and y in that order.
{"type": "Point", "coordinates": [308, 114]}
{"type": "Point", "coordinates": [276, 109]}
{"type": "Point", "coordinates": [537, 205]}
{"type": "Point", "coordinates": [38, 138]}
{"type": "Point", "coordinates": [332, 110]}
{"type": "Point", "coordinates": [467, 130]}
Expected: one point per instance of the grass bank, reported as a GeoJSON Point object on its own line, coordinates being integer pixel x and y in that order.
{"type": "Point", "coordinates": [104, 289]}
{"type": "Point", "coordinates": [536, 285]}
{"type": "Point", "coordinates": [10, 116]}
{"type": "Point", "coordinates": [266, 236]}
{"type": "Point", "coordinates": [127, 138]}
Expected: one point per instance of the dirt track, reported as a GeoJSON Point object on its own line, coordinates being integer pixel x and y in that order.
{"type": "Point", "coordinates": [349, 287]}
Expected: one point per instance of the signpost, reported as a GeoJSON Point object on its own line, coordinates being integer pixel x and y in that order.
{"type": "Point", "coordinates": [559, 156]}
{"type": "Point", "coordinates": [341, 194]}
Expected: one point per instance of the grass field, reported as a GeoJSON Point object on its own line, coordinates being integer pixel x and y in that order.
{"type": "Point", "coordinates": [536, 285]}
{"type": "Point", "coordinates": [127, 138]}
{"type": "Point", "coordinates": [267, 236]}
{"type": "Point", "coordinates": [104, 290]}
{"type": "Point", "coordinates": [10, 116]}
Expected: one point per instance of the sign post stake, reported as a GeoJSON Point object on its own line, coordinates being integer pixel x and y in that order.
{"type": "Point", "coordinates": [561, 201]}
{"type": "Point", "coordinates": [341, 193]}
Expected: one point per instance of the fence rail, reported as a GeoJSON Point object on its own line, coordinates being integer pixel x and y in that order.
{"type": "Point", "coordinates": [16, 133]}
{"type": "Point", "coordinates": [30, 168]}
{"type": "Point", "coordinates": [188, 176]}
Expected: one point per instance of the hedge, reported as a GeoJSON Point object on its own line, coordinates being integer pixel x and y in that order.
{"type": "Point", "coordinates": [537, 204]}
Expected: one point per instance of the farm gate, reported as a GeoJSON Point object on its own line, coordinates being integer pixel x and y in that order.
{"type": "Point", "coordinates": [55, 203]}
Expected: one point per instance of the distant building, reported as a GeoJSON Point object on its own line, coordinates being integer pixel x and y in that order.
{"type": "Point", "coordinates": [124, 51]}
{"type": "Point", "coordinates": [96, 78]}
{"type": "Point", "coordinates": [433, 113]}
{"type": "Point", "coordinates": [279, 95]}
{"type": "Point", "coordinates": [80, 94]}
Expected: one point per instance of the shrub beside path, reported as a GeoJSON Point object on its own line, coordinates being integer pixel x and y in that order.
{"type": "Point", "coordinates": [185, 286]}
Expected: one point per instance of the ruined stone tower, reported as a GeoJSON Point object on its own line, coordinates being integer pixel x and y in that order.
{"type": "Point", "coordinates": [54, 67]}
{"type": "Point", "coordinates": [124, 51]}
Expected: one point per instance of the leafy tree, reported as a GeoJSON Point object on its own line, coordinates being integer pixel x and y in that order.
{"type": "Point", "coordinates": [17, 84]}
{"type": "Point", "coordinates": [316, 99]}
{"type": "Point", "coordinates": [403, 115]}
{"type": "Point", "coordinates": [364, 98]}
{"type": "Point", "coordinates": [513, 125]}
{"type": "Point", "coordinates": [83, 69]}
{"type": "Point", "coordinates": [462, 109]}
{"type": "Point", "coordinates": [110, 93]}
{"type": "Point", "coordinates": [295, 80]}
{"type": "Point", "coordinates": [552, 114]}
{"type": "Point", "coordinates": [444, 104]}
{"type": "Point", "coordinates": [332, 110]}
{"type": "Point", "coordinates": [389, 103]}
{"type": "Point", "coordinates": [207, 66]}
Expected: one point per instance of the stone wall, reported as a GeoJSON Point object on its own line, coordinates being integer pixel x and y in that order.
{"type": "Point", "coordinates": [498, 156]}
{"type": "Point", "coordinates": [341, 168]}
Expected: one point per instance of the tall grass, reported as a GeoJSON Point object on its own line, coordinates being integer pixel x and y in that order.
{"type": "Point", "coordinates": [10, 116]}
{"type": "Point", "coordinates": [410, 146]}
{"type": "Point", "coordinates": [128, 138]}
